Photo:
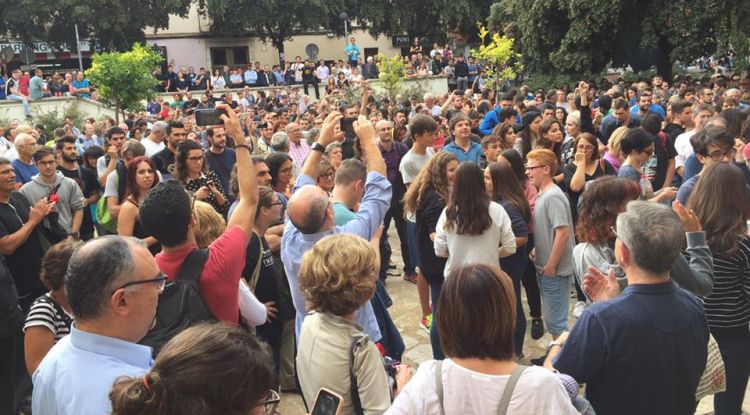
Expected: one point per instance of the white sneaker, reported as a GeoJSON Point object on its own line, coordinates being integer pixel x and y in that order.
{"type": "Point", "coordinates": [578, 309]}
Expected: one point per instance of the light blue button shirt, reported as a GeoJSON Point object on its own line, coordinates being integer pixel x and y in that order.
{"type": "Point", "coordinates": [77, 374]}
{"type": "Point", "coordinates": [372, 209]}
{"type": "Point", "coordinates": [474, 154]}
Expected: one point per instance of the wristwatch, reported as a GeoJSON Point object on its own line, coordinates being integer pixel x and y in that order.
{"type": "Point", "coordinates": [318, 147]}
{"type": "Point", "coordinates": [75, 235]}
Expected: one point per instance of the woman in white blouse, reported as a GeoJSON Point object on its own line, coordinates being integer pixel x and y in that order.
{"type": "Point", "coordinates": [479, 375]}
{"type": "Point", "coordinates": [472, 228]}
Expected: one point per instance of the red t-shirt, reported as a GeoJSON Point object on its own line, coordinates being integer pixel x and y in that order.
{"type": "Point", "coordinates": [220, 279]}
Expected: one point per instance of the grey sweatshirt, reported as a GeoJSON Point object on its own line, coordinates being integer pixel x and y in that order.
{"type": "Point", "coordinates": [71, 197]}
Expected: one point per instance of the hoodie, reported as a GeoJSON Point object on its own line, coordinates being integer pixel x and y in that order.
{"type": "Point", "coordinates": [71, 197]}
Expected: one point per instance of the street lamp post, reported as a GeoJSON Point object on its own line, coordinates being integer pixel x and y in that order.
{"type": "Point", "coordinates": [345, 17]}
{"type": "Point", "coordinates": [78, 49]}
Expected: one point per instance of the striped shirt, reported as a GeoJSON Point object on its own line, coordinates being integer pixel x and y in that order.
{"type": "Point", "coordinates": [46, 312]}
{"type": "Point", "coordinates": [729, 303]}
{"type": "Point", "coordinates": [299, 152]}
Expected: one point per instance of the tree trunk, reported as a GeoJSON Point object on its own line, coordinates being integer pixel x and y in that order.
{"type": "Point", "coordinates": [117, 112]}
{"type": "Point", "coordinates": [279, 43]}
{"type": "Point", "coordinates": [664, 59]}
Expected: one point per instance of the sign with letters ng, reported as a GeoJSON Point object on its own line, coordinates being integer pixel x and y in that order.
{"type": "Point", "coordinates": [44, 47]}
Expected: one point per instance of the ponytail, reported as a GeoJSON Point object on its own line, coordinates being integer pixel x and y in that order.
{"type": "Point", "coordinates": [137, 395]}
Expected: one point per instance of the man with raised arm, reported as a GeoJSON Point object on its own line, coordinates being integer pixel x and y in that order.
{"type": "Point", "coordinates": [311, 215]}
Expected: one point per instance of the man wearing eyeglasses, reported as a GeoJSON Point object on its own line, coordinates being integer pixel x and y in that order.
{"type": "Point", "coordinates": [113, 287]}
{"type": "Point", "coordinates": [712, 145]}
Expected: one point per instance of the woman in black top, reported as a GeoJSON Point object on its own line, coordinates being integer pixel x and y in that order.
{"type": "Point", "coordinates": [504, 188]}
{"type": "Point", "coordinates": [427, 197]}
{"type": "Point", "coordinates": [264, 274]}
{"type": "Point", "coordinates": [141, 177]}
{"type": "Point", "coordinates": [192, 171]}
{"type": "Point", "coordinates": [588, 166]}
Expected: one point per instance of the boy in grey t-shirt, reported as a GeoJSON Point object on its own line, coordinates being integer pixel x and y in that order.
{"type": "Point", "coordinates": [553, 238]}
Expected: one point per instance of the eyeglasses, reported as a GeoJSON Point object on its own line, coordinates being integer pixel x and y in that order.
{"type": "Point", "coordinates": [585, 148]}
{"type": "Point", "coordinates": [720, 155]}
{"type": "Point", "coordinates": [614, 232]}
{"type": "Point", "coordinates": [277, 203]}
{"type": "Point", "coordinates": [286, 170]}
{"type": "Point", "coordinates": [160, 281]}
{"type": "Point", "coordinates": [650, 152]}
{"type": "Point", "coordinates": [530, 168]}
{"type": "Point", "coordinates": [195, 159]}
{"type": "Point", "coordinates": [271, 402]}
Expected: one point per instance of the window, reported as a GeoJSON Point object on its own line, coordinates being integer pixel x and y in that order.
{"type": "Point", "coordinates": [218, 56]}
{"type": "Point", "coordinates": [229, 56]}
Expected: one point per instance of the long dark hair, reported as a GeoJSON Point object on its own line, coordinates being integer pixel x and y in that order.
{"type": "Point", "coordinates": [543, 142]}
{"type": "Point", "coordinates": [516, 164]}
{"type": "Point", "coordinates": [131, 189]}
{"type": "Point", "coordinates": [506, 187]}
{"type": "Point", "coordinates": [468, 207]}
{"type": "Point", "coordinates": [722, 206]}
{"type": "Point", "coordinates": [274, 161]}
{"type": "Point", "coordinates": [181, 159]}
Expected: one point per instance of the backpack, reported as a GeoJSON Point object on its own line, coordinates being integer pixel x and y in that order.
{"type": "Point", "coordinates": [181, 304]}
{"type": "Point", "coordinates": [103, 215]}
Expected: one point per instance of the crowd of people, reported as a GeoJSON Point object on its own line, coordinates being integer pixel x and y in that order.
{"type": "Point", "coordinates": [156, 266]}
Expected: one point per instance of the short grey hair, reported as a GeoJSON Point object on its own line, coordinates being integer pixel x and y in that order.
{"type": "Point", "coordinates": [653, 234]}
{"type": "Point", "coordinates": [159, 127]}
{"type": "Point", "coordinates": [23, 138]}
{"type": "Point", "coordinates": [279, 141]}
{"type": "Point", "coordinates": [94, 271]}
{"type": "Point", "coordinates": [429, 96]}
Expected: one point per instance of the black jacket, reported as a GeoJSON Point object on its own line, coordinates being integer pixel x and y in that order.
{"type": "Point", "coordinates": [11, 316]}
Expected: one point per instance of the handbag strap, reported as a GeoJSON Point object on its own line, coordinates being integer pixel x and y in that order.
{"type": "Point", "coordinates": [508, 392]}
{"type": "Point", "coordinates": [356, 341]}
{"type": "Point", "coordinates": [439, 384]}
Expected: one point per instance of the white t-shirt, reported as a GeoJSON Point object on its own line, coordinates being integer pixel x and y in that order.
{"type": "Point", "coordinates": [151, 147]}
{"type": "Point", "coordinates": [483, 249]}
{"type": "Point", "coordinates": [410, 166]}
{"type": "Point", "coordinates": [538, 392]}
{"type": "Point", "coordinates": [683, 147]}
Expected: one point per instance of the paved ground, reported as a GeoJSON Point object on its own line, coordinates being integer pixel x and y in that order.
{"type": "Point", "coordinates": [405, 313]}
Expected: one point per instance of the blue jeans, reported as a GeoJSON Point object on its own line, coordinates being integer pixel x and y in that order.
{"type": "Point", "coordinates": [411, 237]}
{"type": "Point", "coordinates": [23, 101]}
{"type": "Point", "coordinates": [555, 301]}
{"type": "Point", "coordinates": [437, 351]}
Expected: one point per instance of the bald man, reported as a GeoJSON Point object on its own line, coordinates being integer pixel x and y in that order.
{"type": "Point", "coordinates": [311, 215]}
{"type": "Point", "coordinates": [298, 148]}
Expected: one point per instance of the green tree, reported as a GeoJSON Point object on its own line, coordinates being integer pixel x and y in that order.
{"type": "Point", "coordinates": [273, 21]}
{"type": "Point", "coordinates": [111, 24]}
{"type": "Point", "coordinates": [586, 36]}
{"type": "Point", "coordinates": [391, 74]}
{"type": "Point", "coordinates": [502, 61]}
{"type": "Point", "coordinates": [125, 79]}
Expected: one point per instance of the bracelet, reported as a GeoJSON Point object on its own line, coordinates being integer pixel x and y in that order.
{"type": "Point", "coordinates": [243, 146]}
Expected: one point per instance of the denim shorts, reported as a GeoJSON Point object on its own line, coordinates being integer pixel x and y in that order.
{"type": "Point", "coordinates": [555, 301]}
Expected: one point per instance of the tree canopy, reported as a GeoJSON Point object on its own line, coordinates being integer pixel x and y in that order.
{"type": "Point", "coordinates": [111, 24]}
{"type": "Point", "coordinates": [585, 36]}
{"type": "Point", "coordinates": [125, 78]}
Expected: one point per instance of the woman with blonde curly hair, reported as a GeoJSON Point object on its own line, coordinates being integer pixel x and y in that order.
{"type": "Point", "coordinates": [337, 277]}
{"type": "Point", "coordinates": [427, 197]}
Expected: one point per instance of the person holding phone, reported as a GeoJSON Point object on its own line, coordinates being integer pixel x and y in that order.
{"type": "Point", "coordinates": [192, 171]}
{"type": "Point", "coordinates": [337, 277]}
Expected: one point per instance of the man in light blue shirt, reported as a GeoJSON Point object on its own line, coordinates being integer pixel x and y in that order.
{"type": "Point", "coordinates": [462, 146]}
{"type": "Point", "coordinates": [113, 285]}
{"type": "Point", "coordinates": [251, 76]}
{"type": "Point", "coordinates": [311, 215]}
{"type": "Point", "coordinates": [352, 51]}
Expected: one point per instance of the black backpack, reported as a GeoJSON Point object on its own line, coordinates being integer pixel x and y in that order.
{"type": "Point", "coordinates": [181, 304]}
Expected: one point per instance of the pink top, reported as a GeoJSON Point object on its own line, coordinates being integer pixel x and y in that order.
{"type": "Point", "coordinates": [531, 193]}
